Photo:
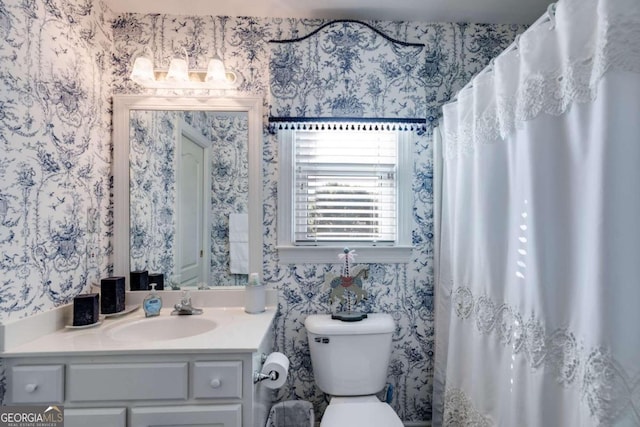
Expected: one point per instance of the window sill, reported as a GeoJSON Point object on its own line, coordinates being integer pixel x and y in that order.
{"type": "Point", "coordinates": [329, 254]}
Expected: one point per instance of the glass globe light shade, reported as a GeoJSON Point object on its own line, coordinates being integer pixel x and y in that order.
{"type": "Point", "coordinates": [142, 70]}
{"type": "Point", "coordinates": [178, 70]}
{"type": "Point", "coordinates": [216, 72]}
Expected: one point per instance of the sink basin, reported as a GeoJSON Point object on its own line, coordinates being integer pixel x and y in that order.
{"type": "Point", "coordinates": [161, 328]}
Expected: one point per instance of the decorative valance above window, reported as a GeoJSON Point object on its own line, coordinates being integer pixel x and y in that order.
{"type": "Point", "coordinates": [347, 70]}
{"type": "Point", "coordinates": [310, 123]}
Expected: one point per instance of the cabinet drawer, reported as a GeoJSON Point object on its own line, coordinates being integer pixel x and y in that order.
{"type": "Point", "coordinates": [37, 384]}
{"type": "Point", "coordinates": [127, 381]}
{"type": "Point", "coordinates": [208, 415]}
{"type": "Point", "coordinates": [217, 379]}
{"type": "Point", "coordinates": [95, 417]}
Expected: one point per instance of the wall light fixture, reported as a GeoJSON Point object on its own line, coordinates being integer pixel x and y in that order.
{"type": "Point", "coordinates": [178, 75]}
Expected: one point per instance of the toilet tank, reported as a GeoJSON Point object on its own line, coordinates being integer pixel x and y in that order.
{"type": "Point", "coordinates": [350, 358]}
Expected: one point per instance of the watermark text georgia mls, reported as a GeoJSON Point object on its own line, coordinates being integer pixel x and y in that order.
{"type": "Point", "coordinates": [31, 416]}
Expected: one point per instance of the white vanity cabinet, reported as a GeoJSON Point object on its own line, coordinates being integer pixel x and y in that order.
{"type": "Point", "coordinates": [141, 390]}
{"type": "Point", "coordinates": [104, 379]}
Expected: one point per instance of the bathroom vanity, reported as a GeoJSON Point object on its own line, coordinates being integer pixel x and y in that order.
{"type": "Point", "coordinates": [137, 371]}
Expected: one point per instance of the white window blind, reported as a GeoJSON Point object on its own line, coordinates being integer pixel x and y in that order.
{"type": "Point", "coordinates": [345, 186]}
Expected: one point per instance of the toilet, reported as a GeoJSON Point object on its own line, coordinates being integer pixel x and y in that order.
{"type": "Point", "coordinates": [350, 361]}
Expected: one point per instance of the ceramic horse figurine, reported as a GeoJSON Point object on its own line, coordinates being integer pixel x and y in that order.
{"type": "Point", "coordinates": [346, 282]}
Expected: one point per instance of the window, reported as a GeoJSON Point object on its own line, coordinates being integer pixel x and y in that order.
{"type": "Point", "coordinates": [344, 188]}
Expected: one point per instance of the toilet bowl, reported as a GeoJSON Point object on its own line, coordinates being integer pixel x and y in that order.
{"type": "Point", "coordinates": [350, 361]}
{"type": "Point", "coordinates": [362, 411]}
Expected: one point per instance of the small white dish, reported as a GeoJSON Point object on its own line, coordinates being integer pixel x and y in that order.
{"type": "Point", "coordinates": [127, 309]}
{"type": "Point", "coordinates": [92, 325]}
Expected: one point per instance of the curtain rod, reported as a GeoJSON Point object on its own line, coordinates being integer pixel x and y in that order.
{"type": "Point", "coordinates": [349, 21]}
{"type": "Point", "coordinates": [548, 15]}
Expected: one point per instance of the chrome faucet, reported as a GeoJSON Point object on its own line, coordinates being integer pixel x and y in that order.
{"type": "Point", "coordinates": [184, 307]}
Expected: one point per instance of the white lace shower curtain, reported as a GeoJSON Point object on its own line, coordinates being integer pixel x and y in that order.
{"type": "Point", "coordinates": [538, 297]}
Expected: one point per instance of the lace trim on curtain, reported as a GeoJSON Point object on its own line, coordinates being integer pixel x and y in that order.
{"type": "Point", "coordinates": [459, 411]}
{"type": "Point", "coordinates": [605, 387]}
{"type": "Point", "coordinates": [616, 46]}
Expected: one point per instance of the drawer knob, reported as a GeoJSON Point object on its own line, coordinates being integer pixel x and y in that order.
{"type": "Point", "coordinates": [215, 383]}
{"type": "Point", "coordinates": [30, 388]}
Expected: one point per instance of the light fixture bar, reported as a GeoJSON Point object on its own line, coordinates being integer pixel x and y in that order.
{"type": "Point", "coordinates": [178, 76]}
{"type": "Point", "coordinates": [197, 80]}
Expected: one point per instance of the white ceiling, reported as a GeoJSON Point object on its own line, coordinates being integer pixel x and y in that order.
{"type": "Point", "coordinates": [476, 11]}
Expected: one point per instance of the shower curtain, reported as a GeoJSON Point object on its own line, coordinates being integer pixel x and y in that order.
{"type": "Point", "coordinates": [538, 279]}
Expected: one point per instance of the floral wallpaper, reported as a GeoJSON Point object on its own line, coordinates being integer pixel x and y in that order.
{"type": "Point", "coordinates": [230, 185]}
{"type": "Point", "coordinates": [152, 183]}
{"type": "Point", "coordinates": [55, 152]}
{"type": "Point", "coordinates": [153, 187]}
{"type": "Point", "coordinates": [61, 60]}
{"type": "Point", "coordinates": [347, 69]}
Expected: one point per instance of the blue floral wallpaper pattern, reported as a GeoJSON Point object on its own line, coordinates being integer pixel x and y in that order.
{"type": "Point", "coordinates": [152, 183]}
{"type": "Point", "coordinates": [347, 69]}
{"type": "Point", "coordinates": [55, 154]}
{"type": "Point", "coordinates": [61, 60]}
{"type": "Point", "coordinates": [153, 188]}
{"type": "Point", "coordinates": [229, 185]}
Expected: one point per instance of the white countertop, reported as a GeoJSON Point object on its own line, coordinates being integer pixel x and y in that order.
{"type": "Point", "coordinates": [235, 332]}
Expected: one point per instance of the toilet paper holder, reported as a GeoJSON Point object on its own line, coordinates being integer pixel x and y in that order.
{"type": "Point", "coordinates": [259, 376]}
{"type": "Point", "coordinates": [273, 370]}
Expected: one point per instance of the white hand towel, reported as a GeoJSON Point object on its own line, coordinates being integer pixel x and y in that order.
{"type": "Point", "coordinates": [239, 227]}
{"type": "Point", "coordinates": [239, 243]}
{"type": "Point", "coordinates": [239, 257]}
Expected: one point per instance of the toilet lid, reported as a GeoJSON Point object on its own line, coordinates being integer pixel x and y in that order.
{"type": "Point", "coordinates": [365, 414]}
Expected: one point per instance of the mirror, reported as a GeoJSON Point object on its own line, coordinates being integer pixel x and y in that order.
{"type": "Point", "coordinates": [184, 168]}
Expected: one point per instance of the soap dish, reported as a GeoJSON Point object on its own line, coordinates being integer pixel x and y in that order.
{"type": "Point", "coordinates": [127, 309]}
{"type": "Point", "coordinates": [91, 325]}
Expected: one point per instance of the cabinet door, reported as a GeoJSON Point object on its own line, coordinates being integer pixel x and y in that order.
{"type": "Point", "coordinates": [192, 416]}
{"type": "Point", "coordinates": [95, 417]}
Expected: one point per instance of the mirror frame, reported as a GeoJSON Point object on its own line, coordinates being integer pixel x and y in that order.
{"type": "Point", "coordinates": [122, 106]}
